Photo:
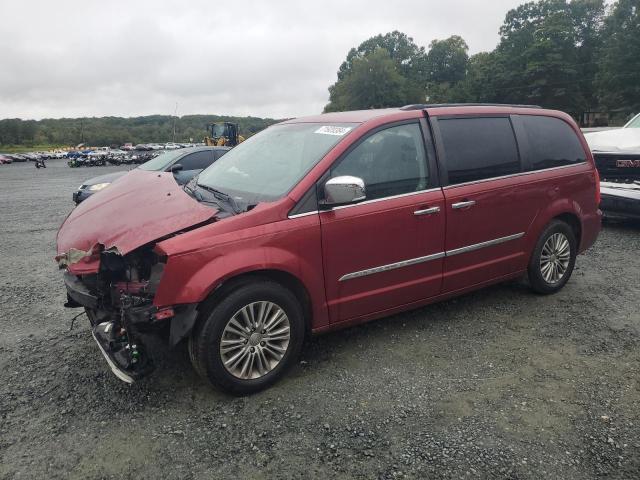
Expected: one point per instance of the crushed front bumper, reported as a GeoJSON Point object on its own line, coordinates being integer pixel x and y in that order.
{"type": "Point", "coordinates": [120, 330]}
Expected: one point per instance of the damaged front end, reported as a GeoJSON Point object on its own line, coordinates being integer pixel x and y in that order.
{"type": "Point", "coordinates": [117, 292]}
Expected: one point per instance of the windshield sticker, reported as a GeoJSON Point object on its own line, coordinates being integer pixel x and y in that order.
{"type": "Point", "coordinates": [329, 130]}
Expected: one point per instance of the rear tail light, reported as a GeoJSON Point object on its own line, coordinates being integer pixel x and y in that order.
{"type": "Point", "coordinates": [597, 187]}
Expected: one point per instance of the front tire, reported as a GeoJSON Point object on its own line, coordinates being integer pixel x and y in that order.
{"type": "Point", "coordinates": [248, 340]}
{"type": "Point", "coordinates": [553, 258]}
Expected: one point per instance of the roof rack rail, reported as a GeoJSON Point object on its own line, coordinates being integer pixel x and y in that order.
{"type": "Point", "coordinates": [422, 106]}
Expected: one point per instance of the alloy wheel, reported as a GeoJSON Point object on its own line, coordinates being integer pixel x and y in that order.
{"type": "Point", "coordinates": [555, 258]}
{"type": "Point", "coordinates": [255, 340]}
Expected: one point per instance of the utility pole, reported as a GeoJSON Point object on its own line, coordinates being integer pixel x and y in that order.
{"type": "Point", "coordinates": [175, 118]}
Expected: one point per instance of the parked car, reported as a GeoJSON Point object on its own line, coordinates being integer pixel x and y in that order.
{"type": "Point", "coordinates": [318, 223]}
{"type": "Point", "coordinates": [617, 157]}
{"type": "Point", "coordinates": [5, 159]}
{"type": "Point", "coordinates": [184, 164]}
{"type": "Point", "coordinates": [16, 157]}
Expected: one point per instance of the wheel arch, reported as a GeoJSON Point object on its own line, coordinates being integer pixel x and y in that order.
{"type": "Point", "coordinates": [282, 277]}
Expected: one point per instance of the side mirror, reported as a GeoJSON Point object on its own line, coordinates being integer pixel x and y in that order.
{"type": "Point", "coordinates": [176, 168]}
{"type": "Point", "coordinates": [343, 191]}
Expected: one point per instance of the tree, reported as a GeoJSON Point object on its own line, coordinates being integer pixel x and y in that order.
{"type": "Point", "coordinates": [538, 56]}
{"type": "Point", "coordinates": [409, 58]}
{"type": "Point", "coordinates": [447, 60]}
{"type": "Point", "coordinates": [479, 84]}
{"type": "Point", "coordinates": [373, 81]}
{"type": "Point", "coordinates": [618, 77]}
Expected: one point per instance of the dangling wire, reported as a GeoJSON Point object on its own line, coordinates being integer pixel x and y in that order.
{"type": "Point", "coordinates": [73, 320]}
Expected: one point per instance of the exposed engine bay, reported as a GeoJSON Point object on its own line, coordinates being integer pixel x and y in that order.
{"type": "Point", "coordinates": [118, 300]}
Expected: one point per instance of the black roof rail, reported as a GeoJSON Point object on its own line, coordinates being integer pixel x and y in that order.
{"type": "Point", "coordinates": [422, 106]}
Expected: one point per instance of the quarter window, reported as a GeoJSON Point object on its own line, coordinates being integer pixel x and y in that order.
{"type": "Point", "coordinates": [552, 142]}
{"type": "Point", "coordinates": [391, 162]}
{"type": "Point", "coordinates": [479, 148]}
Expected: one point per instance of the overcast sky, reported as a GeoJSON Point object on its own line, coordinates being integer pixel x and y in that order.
{"type": "Point", "coordinates": [276, 58]}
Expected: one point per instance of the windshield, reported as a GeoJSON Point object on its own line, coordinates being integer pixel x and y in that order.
{"type": "Point", "coordinates": [634, 123]}
{"type": "Point", "coordinates": [218, 130]}
{"type": "Point", "coordinates": [162, 161]}
{"type": "Point", "coordinates": [268, 165]}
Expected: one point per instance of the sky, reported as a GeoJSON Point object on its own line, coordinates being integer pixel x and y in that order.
{"type": "Point", "coordinates": [275, 58]}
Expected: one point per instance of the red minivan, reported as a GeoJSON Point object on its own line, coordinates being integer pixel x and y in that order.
{"type": "Point", "coordinates": [322, 222]}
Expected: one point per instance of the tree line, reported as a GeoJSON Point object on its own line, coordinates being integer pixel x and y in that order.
{"type": "Point", "coordinates": [578, 56]}
{"type": "Point", "coordinates": [118, 130]}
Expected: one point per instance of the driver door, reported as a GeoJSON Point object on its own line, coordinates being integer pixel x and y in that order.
{"type": "Point", "coordinates": [386, 251]}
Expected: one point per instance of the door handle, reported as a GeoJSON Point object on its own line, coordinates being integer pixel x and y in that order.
{"type": "Point", "coordinates": [427, 211]}
{"type": "Point", "coordinates": [459, 205]}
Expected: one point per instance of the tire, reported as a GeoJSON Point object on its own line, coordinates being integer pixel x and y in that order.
{"type": "Point", "coordinates": [273, 308]}
{"type": "Point", "coordinates": [558, 243]}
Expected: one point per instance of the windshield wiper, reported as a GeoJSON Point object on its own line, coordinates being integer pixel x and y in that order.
{"type": "Point", "coordinates": [193, 192]}
{"type": "Point", "coordinates": [221, 196]}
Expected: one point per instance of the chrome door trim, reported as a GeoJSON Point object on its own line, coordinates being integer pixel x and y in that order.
{"type": "Point", "coordinates": [488, 243]}
{"type": "Point", "coordinates": [375, 200]}
{"type": "Point", "coordinates": [305, 214]}
{"type": "Point", "coordinates": [427, 211]}
{"type": "Point", "coordinates": [519, 174]}
{"type": "Point", "coordinates": [428, 258]}
{"type": "Point", "coordinates": [391, 266]}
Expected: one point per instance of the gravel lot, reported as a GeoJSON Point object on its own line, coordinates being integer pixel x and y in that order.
{"type": "Point", "coordinates": [497, 384]}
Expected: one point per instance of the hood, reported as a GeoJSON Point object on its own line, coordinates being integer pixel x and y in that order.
{"type": "Point", "coordinates": [619, 140]}
{"type": "Point", "coordinates": [139, 208]}
{"type": "Point", "coordinates": [107, 178]}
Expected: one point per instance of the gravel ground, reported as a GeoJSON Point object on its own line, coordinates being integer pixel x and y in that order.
{"type": "Point", "coordinates": [500, 383]}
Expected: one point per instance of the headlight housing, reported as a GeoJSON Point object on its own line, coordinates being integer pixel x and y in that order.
{"type": "Point", "coordinates": [98, 186]}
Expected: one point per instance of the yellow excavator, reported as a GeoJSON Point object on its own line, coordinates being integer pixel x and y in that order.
{"type": "Point", "coordinates": [223, 134]}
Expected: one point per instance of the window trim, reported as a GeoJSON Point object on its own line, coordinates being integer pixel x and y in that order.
{"type": "Point", "coordinates": [433, 182]}
{"type": "Point", "coordinates": [519, 174]}
{"type": "Point", "coordinates": [442, 156]}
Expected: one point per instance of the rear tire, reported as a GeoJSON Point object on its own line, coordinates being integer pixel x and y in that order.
{"type": "Point", "coordinates": [247, 341]}
{"type": "Point", "coordinates": [553, 258]}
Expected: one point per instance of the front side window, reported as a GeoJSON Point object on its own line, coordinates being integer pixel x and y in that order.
{"type": "Point", "coordinates": [552, 142]}
{"type": "Point", "coordinates": [197, 160]}
{"type": "Point", "coordinates": [478, 148]}
{"type": "Point", "coordinates": [161, 162]}
{"type": "Point", "coordinates": [391, 162]}
{"type": "Point", "coordinates": [269, 164]}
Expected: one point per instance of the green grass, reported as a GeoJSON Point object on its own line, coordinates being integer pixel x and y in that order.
{"type": "Point", "coordinates": [33, 148]}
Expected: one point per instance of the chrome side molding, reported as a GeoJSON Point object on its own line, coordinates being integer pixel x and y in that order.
{"type": "Point", "coordinates": [428, 258]}
{"type": "Point", "coordinates": [488, 243]}
{"type": "Point", "coordinates": [391, 266]}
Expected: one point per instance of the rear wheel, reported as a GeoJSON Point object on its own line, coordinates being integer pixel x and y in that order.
{"type": "Point", "coordinates": [248, 340]}
{"type": "Point", "coordinates": [553, 258]}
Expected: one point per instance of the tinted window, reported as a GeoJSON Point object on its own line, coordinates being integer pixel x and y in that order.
{"type": "Point", "coordinates": [553, 143]}
{"type": "Point", "coordinates": [478, 148]}
{"type": "Point", "coordinates": [391, 162]}
{"type": "Point", "coordinates": [218, 153]}
{"type": "Point", "coordinates": [197, 160]}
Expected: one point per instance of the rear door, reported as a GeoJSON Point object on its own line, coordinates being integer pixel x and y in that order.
{"type": "Point", "coordinates": [485, 218]}
{"type": "Point", "coordinates": [388, 250]}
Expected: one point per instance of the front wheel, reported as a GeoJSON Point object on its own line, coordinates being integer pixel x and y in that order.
{"type": "Point", "coordinates": [248, 340]}
{"type": "Point", "coordinates": [553, 258]}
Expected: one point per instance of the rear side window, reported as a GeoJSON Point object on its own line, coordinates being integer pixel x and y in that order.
{"type": "Point", "coordinates": [196, 161]}
{"type": "Point", "coordinates": [478, 148]}
{"type": "Point", "coordinates": [552, 142]}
